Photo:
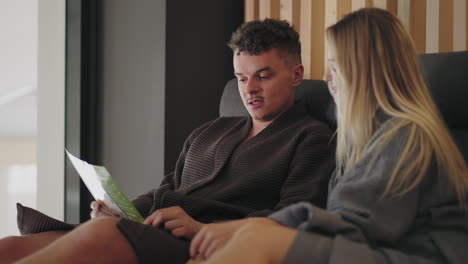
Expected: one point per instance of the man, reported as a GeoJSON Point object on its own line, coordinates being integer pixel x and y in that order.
{"type": "Point", "coordinates": [229, 168]}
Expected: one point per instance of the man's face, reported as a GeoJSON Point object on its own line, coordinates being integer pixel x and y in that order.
{"type": "Point", "coordinates": [266, 83]}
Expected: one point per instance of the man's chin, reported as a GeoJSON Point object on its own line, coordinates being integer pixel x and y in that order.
{"type": "Point", "coordinates": [264, 118]}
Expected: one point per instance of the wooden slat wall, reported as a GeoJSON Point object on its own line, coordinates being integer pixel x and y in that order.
{"type": "Point", "coordinates": [446, 25]}
{"type": "Point", "coordinates": [436, 25]}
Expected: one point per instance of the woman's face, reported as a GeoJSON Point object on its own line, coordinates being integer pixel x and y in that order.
{"type": "Point", "coordinates": [331, 74]}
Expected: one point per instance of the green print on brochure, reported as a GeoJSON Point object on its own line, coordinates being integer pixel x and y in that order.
{"type": "Point", "coordinates": [116, 195]}
{"type": "Point", "coordinates": [103, 187]}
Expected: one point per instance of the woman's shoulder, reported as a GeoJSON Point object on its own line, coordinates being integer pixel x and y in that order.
{"type": "Point", "coordinates": [391, 133]}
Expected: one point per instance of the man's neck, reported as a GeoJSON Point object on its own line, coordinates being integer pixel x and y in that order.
{"type": "Point", "coordinates": [257, 127]}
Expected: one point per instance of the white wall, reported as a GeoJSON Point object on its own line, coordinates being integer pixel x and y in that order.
{"type": "Point", "coordinates": [51, 107]}
{"type": "Point", "coordinates": [18, 81]}
{"type": "Point", "coordinates": [18, 180]}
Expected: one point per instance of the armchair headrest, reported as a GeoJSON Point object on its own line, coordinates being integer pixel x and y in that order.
{"type": "Point", "coordinates": [447, 78]}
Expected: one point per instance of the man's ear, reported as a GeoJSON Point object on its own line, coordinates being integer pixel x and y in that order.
{"type": "Point", "coordinates": [298, 72]}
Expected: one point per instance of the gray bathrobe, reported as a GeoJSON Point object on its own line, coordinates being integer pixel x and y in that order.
{"type": "Point", "coordinates": [425, 225]}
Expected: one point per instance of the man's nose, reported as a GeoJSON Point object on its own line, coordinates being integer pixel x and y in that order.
{"type": "Point", "coordinates": [251, 86]}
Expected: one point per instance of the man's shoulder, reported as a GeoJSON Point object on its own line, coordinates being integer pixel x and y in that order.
{"type": "Point", "coordinates": [310, 124]}
{"type": "Point", "coordinates": [299, 119]}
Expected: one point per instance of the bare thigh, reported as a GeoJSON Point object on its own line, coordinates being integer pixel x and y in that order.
{"type": "Point", "coordinates": [16, 247]}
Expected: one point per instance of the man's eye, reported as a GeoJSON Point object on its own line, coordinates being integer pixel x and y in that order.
{"type": "Point", "coordinates": [263, 77]}
{"type": "Point", "coordinates": [241, 80]}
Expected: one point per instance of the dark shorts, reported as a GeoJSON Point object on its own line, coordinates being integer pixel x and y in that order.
{"type": "Point", "coordinates": [154, 245]}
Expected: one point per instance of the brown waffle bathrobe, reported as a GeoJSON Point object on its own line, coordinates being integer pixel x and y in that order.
{"type": "Point", "coordinates": [219, 176]}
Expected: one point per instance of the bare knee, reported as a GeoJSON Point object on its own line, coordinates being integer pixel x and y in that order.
{"type": "Point", "coordinates": [94, 232]}
{"type": "Point", "coordinates": [9, 243]}
{"type": "Point", "coordinates": [92, 238]}
{"type": "Point", "coordinates": [10, 249]}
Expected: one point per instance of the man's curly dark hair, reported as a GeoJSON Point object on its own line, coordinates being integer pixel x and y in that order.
{"type": "Point", "coordinates": [257, 36]}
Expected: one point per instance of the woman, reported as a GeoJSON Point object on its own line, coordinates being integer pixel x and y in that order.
{"type": "Point", "coordinates": [399, 193]}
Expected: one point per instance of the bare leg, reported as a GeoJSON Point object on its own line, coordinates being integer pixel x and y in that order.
{"type": "Point", "coordinates": [96, 241]}
{"type": "Point", "coordinates": [16, 247]}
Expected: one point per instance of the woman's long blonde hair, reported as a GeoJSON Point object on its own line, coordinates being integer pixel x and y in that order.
{"type": "Point", "coordinates": [379, 69]}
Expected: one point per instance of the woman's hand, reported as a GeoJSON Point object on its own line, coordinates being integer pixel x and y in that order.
{"type": "Point", "coordinates": [213, 237]}
{"type": "Point", "coordinates": [260, 241]}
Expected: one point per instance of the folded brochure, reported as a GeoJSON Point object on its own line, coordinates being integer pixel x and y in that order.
{"type": "Point", "coordinates": [103, 187]}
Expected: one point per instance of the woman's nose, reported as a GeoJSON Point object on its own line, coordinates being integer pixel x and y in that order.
{"type": "Point", "coordinates": [327, 76]}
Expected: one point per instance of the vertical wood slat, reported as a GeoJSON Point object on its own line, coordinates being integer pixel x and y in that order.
{"type": "Point", "coordinates": [358, 4]}
{"type": "Point", "coordinates": [318, 42]}
{"type": "Point", "coordinates": [264, 9]}
{"type": "Point", "coordinates": [432, 26]}
{"type": "Point", "coordinates": [404, 12]}
{"type": "Point", "coordinates": [305, 33]}
{"type": "Point", "coordinates": [459, 25]}
{"type": "Point", "coordinates": [275, 7]}
{"type": "Point", "coordinates": [380, 4]}
{"type": "Point", "coordinates": [290, 10]}
{"type": "Point", "coordinates": [445, 26]}
{"type": "Point", "coordinates": [286, 9]}
{"type": "Point", "coordinates": [418, 24]}
{"type": "Point", "coordinates": [392, 6]}
{"type": "Point", "coordinates": [331, 7]}
{"type": "Point", "coordinates": [269, 9]}
{"type": "Point", "coordinates": [343, 7]}
{"type": "Point", "coordinates": [330, 12]}
{"type": "Point", "coordinates": [312, 32]}
{"type": "Point", "coordinates": [251, 10]}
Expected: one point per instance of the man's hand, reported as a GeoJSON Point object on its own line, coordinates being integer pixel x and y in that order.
{"type": "Point", "coordinates": [100, 209]}
{"type": "Point", "coordinates": [213, 237]}
{"type": "Point", "coordinates": [176, 220]}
